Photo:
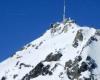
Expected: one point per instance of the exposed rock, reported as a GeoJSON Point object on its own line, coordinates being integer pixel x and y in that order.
{"type": "Point", "coordinates": [36, 47]}
{"type": "Point", "coordinates": [74, 70]}
{"type": "Point", "coordinates": [79, 37]}
{"type": "Point", "coordinates": [93, 38]}
{"type": "Point", "coordinates": [26, 77]}
{"type": "Point", "coordinates": [15, 76]}
{"type": "Point", "coordinates": [36, 71]}
{"type": "Point", "coordinates": [28, 45]}
{"type": "Point", "coordinates": [40, 69]}
{"type": "Point", "coordinates": [22, 64]}
{"type": "Point", "coordinates": [18, 56]}
{"type": "Point", "coordinates": [53, 57]}
{"type": "Point", "coordinates": [68, 64]}
{"type": "Point", "coordinates": [3, 78]}
{"type": "Point", "coordinates": [54, 67]}
{"type": "Point", "coordinates": [98, 32]}
{"type": "Point", "coordinates": [83, 67]}
{"type": "Point", "coordinates": [17, 63]}
{"type": "Point", "coordinates": [21, 49]}
{"type": "Point", "coordinates": [75, 44]}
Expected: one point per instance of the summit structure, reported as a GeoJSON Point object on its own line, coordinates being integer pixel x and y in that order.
{"type": "Point", "coordinates": [68, 54]}
{"type": "Point", "coordinates": [64, 13]}
{"type": "Point", "coordinates": [66, 51]}
{"type": "Point", "coordinates": [66, 19]}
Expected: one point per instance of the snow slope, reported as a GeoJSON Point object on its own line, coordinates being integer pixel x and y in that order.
{"type": "Point", "coordinates": [65, 52]}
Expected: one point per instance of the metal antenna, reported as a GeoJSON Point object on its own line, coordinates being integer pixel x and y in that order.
{"type": "Point", "coordinates": [64, 14]}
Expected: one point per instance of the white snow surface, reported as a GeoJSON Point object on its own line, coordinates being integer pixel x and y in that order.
{"type": "Point", "coordinates": [58, 41]}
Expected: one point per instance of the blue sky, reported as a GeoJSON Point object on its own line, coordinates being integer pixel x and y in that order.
{"type": "Point", "coordinates": [22, 21]}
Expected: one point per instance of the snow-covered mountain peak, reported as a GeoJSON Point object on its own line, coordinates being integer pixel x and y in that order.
{"type": "Point", "coordinates": [66, 51]}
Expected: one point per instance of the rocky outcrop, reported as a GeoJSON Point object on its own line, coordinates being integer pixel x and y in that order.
{"type": "Point", "coordinates": [78, 37]}
{"type": "Point", "coordinates": [53, 57]}
{"type": "Point", "coordinates": [74, 69]}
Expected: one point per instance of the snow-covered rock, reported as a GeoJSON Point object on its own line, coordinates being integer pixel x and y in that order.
{"type": "Point", "coordinates": [65, 52]}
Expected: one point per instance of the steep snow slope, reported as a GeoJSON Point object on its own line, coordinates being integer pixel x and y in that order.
{"type": "Point", "coordinates": [65, 52]}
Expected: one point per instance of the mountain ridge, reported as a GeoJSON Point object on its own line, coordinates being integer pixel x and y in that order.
{"type": "Point", "coordinates": [64, 52]}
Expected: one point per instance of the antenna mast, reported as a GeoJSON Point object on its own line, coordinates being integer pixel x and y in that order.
{"type": "Point", "coordinates": [64, 14]}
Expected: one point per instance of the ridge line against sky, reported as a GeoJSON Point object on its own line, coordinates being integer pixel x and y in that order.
{"type": "Point", "coordinates": [22, 21]}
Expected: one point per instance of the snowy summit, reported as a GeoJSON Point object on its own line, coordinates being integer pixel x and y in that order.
{"type": "Point", "coordinates": [66, 51]}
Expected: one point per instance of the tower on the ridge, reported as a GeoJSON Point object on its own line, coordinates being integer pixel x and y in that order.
{"type": "Point", "coordinates": [64, 13]}
{"type": "Point", "coordinates": [66, 19]}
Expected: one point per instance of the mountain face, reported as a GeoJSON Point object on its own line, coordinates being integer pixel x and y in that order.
{"type": "Point", "coordinates": [65, 52]}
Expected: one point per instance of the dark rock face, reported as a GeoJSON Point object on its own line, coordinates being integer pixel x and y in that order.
{"type": "Point", "coordinates": [3, 78]}
{"type": "Point", "coordinates": [40, 69]}
{"type": "Point", "coordinates": [79, 37]}
{"type": "Point", "coordinates": [45, 70]}
{"type": "Point", "coordinates": [54, 67]}
{"type": "Point", "coordinates": [92, 39]}
{"type": "Point", "coordinates": [91, 62]}
{"type": "Point", "coordinates": [68, 64]}
{"type": "Point", "coordinates": [38, 45]}
{"type": "Point", "coordinates": [36, 71]}
{"type": "Point", "coordinates": [20, 65]}
{"type": "Point", "coordinates": [53, 57]}
{"type": "Point", "coordinates": [87, 78]}
{"type": "Point", "coordinates": [74, 73]}
{"type": "Point", "coordinates": [98, 32]}
{"type": "Point", "coordinates": [15, 76]}
{"type": "Point", "coordinates": [25, 65]}
{"type": "Point", "coordinates": [54, 27]}
{"type": "Point", "coordinates": [26, 77]}
{"type": "Point", "coordinates": [74, 70]}
{"type": "Point", "coordinates": [83, 67]}
{"type": "Point", "coordinates": [75, 44]}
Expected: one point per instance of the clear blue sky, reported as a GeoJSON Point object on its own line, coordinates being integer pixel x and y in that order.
{"type": "Point", "coordinates": [22, 21]}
